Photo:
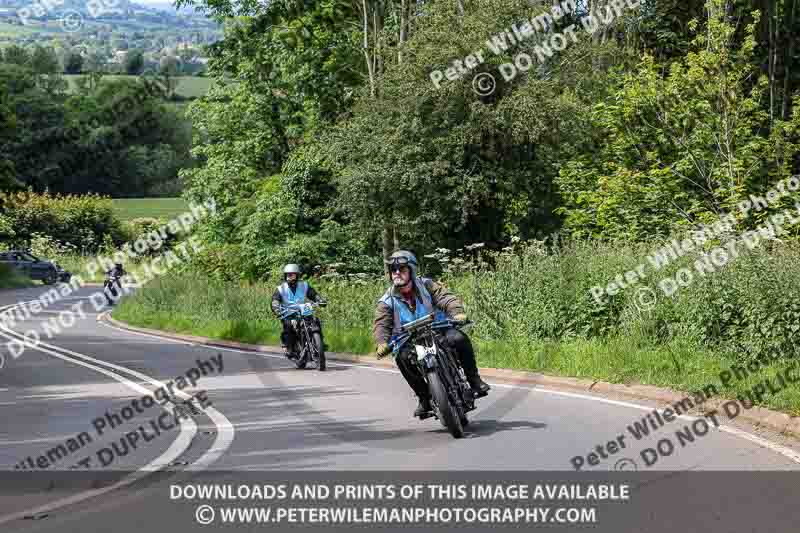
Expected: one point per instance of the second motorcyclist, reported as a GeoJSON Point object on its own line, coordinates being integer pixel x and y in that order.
{"type": "Point", "coordinates": [292, 291]}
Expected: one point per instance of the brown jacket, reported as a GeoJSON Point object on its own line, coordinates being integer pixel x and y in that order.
{"type": "Point", "coordinates": [441, 298]}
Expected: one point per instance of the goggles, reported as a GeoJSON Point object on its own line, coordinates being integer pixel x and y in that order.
{"type": "Point", "coordinates": [402, 261]}
{"type": "Point", "coordinates": [397, 263]}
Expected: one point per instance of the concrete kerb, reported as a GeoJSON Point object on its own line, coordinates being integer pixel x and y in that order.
{"type": "Point", "coordinates": [757, 416]}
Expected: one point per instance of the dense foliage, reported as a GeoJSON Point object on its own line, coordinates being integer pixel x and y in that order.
{"type": "Point", "coordinates": [335, 145]}
{"type": "Point", "coordinates": [77, 223]}
{"type": "Point", "coordinates": [115, 137]}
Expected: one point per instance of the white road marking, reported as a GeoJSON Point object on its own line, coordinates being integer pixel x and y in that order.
{"type": "Point", "coordinates": [224, 437]}
{"type": "Point", "coordinates": [178, 447]}
{"type": "Point", "coordinates": [225, 431]}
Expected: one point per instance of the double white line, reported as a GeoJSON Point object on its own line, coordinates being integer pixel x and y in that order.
{"type": "Point", "coordinates": [188, 428]}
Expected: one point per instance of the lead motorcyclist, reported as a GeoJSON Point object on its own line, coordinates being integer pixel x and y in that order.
{"type": "Point", "coordinates": [409, 298]}
{"type": "Point", "coordinates": [292, 291]}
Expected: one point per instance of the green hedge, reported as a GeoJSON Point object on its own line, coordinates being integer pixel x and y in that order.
{"type": "Point", "coordinates": [83, 222]}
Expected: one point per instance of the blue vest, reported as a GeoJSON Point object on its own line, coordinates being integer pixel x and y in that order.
{"type": "Point", "coordinates": [297, 297]}
{"type": "Point", "coordinates": [402, 313]}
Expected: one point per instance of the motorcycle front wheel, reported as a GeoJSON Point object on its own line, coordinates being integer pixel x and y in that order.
{"type": "Point", "coordinates": [299, 347]}
{"type": "Point", "coordinates": [300, 362]}
{"type": "Point", "coordinates": [447, 411]}
{"type": "Point", "coordinates": [317, 338]}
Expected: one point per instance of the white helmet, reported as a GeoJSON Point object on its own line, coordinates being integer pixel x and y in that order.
{"type": "Point", "coordinates": [291, 269]}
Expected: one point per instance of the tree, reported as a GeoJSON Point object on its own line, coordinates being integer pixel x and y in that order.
{"type": "Point", "coordinates": [134, 63]}
{"type": "Point", "coordinates": [17, 55]}
{"type": "Point", "coordinates": [44, 60]}
{"type": "Point", "coordinates": [8, 124]}
{"type": "Point", "coordinates": [168, 68]}
{"type": "Point", "coordinates": [74, 63]}
{"type": "Point", "coordinates": [45, 65]}
{"type": "Point", "coordinates": [334, 127]}
{"type": "Point", "coordinates": [676, 150]}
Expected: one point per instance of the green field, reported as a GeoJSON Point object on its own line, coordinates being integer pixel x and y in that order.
{"type": "Point", "coordinates": [165, 208]}
{"type": "Point", "coordinates": [188, 86]}
{"type": "Point", "coordinates": [14, 30]}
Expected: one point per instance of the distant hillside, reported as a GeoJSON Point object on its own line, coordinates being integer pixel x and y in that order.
{"type": "Point", "coordinates": [122, 14]}
{"type": "Point", "coordinates": [169, 7]}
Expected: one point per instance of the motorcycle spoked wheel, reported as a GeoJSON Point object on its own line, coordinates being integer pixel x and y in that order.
{"type": "Point", "coordinates": [462, 416]}
{"type": "Point", "coordinates": [109, 288]}
{"type": "Point", "coordinates": [447, 413]}
{"type": "Point", "coordinates": [302, 360]}
{"type": "Point", "coordinates": [317, 340]}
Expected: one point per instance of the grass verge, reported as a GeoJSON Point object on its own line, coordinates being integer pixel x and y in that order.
{"type": "Point", "coordinates": [242, 313]}
{"type": "Point", "coordinates": [10, 279]}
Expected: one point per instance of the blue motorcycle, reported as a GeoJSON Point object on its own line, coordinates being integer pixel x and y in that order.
{"type": "Point", "coordinates": [451, 395]}
{"type": "Point", "coordinates": [307, 334]}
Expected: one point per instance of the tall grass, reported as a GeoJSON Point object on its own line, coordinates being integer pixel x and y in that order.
{"type": "Point", "coordinates": [533, 311]}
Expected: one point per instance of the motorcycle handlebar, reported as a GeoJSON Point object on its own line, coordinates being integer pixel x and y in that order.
{"type": "Point", "coordinates": [286, 311]}
{"type": "Point", "coordinates": [411, 327]}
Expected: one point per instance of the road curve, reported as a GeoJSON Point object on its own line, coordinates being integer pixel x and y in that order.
{"type": "Point", "coordinates": [268, 417]}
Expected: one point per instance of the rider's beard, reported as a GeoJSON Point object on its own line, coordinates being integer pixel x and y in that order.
{"type": "Point", "coordinates": [403, 287]}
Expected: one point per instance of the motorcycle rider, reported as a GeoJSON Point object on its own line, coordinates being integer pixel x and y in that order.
{"type": "Point", "coordinates": [116, 275]}
{"type": "Point", "coordinates": [117, 271]}
{"type": "Point", "coordinates": [291, 291]}
{"type": "Point", "coordinates": [411, 297]}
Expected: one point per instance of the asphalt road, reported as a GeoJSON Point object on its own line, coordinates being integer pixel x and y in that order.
{"type": "Point", "coordinates": [258, 419]}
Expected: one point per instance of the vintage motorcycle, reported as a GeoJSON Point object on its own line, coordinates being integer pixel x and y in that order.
{"type": "Point", "coordinates": [112, 287]}
{"type": "Point", "coordinates": [308, 333]}
{"type": "Point", "coordinates": [451, 394]}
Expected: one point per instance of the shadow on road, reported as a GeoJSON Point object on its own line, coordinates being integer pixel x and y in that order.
{"type": "Point", "coordinates": [487, 427]}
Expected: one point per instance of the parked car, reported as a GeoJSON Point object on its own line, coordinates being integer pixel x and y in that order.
{"type": "Point", "coordinates": [33, 267]}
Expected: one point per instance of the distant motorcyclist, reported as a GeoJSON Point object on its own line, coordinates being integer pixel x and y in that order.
{"type": "Point", "coordinates": [117, 272]}
{"type": "Point", "coordinates": [409, 298]}
{"type": "Point", "coordinates": [291, 291]}
{"type": "Point", "coordinates": [114, 277]}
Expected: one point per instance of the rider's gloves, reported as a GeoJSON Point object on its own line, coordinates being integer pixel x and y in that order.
{"type": "Point", "coordinates": [460, 317]}
{"type": "Point", "coordinates": [382, 350]}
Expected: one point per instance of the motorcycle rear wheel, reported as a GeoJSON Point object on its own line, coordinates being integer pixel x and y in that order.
{"type": "Point", "coordinates": [448, 414]}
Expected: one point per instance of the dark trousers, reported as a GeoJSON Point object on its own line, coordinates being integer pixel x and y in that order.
{"type": "Point", "coordinates": [457, 340]}
{"type": "Point", "coordinates": [288, 335]}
